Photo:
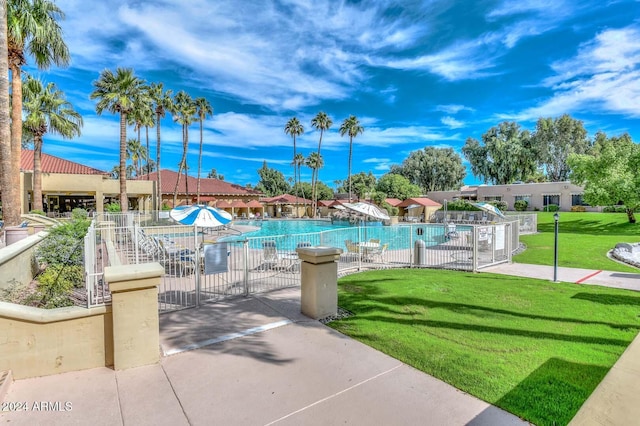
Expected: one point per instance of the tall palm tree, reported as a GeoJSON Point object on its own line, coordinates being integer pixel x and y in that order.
{"type": "Point", "coordinates": [117, 93]}
{"type": "Point", "coordinates": [10, 199]}
{"type": "Point", "coordinates": [315, 162]}
{"type": "Point", "coordinates": [298, 162]}
{"type": "Point", "coordinates": [352, 127]}
{"type": "Point", "coordinates": [204, 110]}
{"type": "Point", "coordinates": [161, 101]}
{"type": "Point", "coordinates": [294, 129]}
{"type": "Point", "coordinates": [320, 122]}
{"type": "Point", "coordinates": [183, 110]}
{"type": "Point", "coordinates": [136, 152]}
{"type": "Point", "coordinates": [32, 29]}
{"type": "Point", "coordinates": [142, 116]}
{"type": "Point", "coordinates": [46, 111]}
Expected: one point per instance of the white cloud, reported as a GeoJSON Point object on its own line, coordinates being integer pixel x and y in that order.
{"type": "Point", "coordinates": [453, 108]}
{"type": "Point", "coordinates": [604, 75]}
{"type": "Point", "coordinates": [452, 122]}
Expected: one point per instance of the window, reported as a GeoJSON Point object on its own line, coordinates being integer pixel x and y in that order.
{"type": "Point", "coordinates": [493, 198]}
{"type": "Point", "coordinates": [551, 199]}
{"type": "Point", "coordinates": [576, 200]}
{"type": "Point", "coordinates": [526, 198]}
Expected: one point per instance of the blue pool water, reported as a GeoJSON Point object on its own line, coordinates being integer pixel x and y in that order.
{"type": "Point", "coordinates": [269, 228]}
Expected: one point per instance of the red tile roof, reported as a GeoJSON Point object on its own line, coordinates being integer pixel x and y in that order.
{"type": "Point", "coordinates": [393, 201]}
{"type": "Point", "coordinates": [285, 199]}
{"type": "Point", "coordinates": [52, 164]}
{"type": "Point", "coordinates": [427, 202]}
{"type": "Point", "coordinates": [208, 186]}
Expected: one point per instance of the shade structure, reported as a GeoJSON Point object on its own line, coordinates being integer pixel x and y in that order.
{"type": "Point", "coordinates": [200, 215]}
{"type": "Point", "coordinates": [489, 208]}
{"type": "Point", "coordinates": [413, 206]}
{"type": "Point", "coordinates": [367, 209]}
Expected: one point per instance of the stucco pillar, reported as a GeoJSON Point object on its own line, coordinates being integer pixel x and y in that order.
{"type": "Point", "coordinates": [319, 294]}
{"type": "Point", "coordinates": [134, 304]}
{"type": "Point", "coordinates": [99, 201]}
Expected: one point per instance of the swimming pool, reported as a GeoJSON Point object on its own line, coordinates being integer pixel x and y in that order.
{"type": "Point", "coordinates": [270, 228]}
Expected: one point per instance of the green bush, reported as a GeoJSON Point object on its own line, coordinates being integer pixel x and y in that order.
{"type": "Point", "coordinates": [520, 205]}
{"type": "Point", "coordinates": [113, 208]}
{"type": "Point", "coordinates": [500, 205]}
{"type": "Point", "coordinates": [79, 214]}
{"type": "Point", "coordinates": [460, 205]}
{"type": "Point", "coordinates": [64, 244]}
{"type": "Point", "coordinates": [615, 209]}
{"type": "Point", "coordinates": [36, 211]}
{"type": "Point", "coordinates": [551, 208]}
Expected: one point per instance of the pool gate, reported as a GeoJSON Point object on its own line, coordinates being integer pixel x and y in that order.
{"type": "Point", "coordinates": [219, 264]}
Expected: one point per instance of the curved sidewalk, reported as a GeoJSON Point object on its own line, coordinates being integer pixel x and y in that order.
{"type": "Point", "coordinates": [285, 370]}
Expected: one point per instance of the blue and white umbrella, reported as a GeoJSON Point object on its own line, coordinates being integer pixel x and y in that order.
{"type": "Point", "coordinates": [200, 215]}
{"type": "Point", "coordinates": [489, 208]}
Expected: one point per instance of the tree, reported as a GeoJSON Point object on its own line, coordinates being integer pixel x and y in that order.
{"type": "Point", "coordinates": [362, 183]}
{"type": "Point", "coordinates": [213, 174]}
{"type": "Point", "coordinates": [320, 122]}
{"type": "Point", "coordinates": [10, 199]}
{"type": "Point", "coordinates": [272, 182]}
{"type": "Point", "coordinates": [432, 169]}
{"type": "Point", "coordinates": [33, 29]}
{"type": "Point", "coordinates": [323, 192]}
{"type": "Point", "coordinates": [506, 156]}
{"type": "Point", "coordinates": [554, 140]}
{"type": "Point", "coordinates": [183, 110]}
{"type": "Point", "coordinates": [136, 152]}
{"type": "Point", "coordinates": [203, 110]}
{"type": "Point", "coordinates": [298, 161]}
{"type": "Point", "coordinates": [350, 126]}
{"type": "Point", "coordinates": [294, 129]}
{"type": "Point", "coordinates": [46, 111]}
{"type": "Point", "coordinates": [609, 173]}
{"type": "Point", "coordinates": [142, 116]}
{"type": "Point", "coordinates": [397, 186]}
{"type": "Point", "coordinates": [315, 162]}
{"type": "Point", "coordinates": [161, 101]}
{"type": "Point", "coordinates": [117, 94]}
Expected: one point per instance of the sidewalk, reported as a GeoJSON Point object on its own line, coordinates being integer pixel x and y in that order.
{"type": "Point", "coordinates": [285, 369]}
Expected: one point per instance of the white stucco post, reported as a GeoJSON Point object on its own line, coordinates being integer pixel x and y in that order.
{"type": "Point", "coordinates": [319, 292]}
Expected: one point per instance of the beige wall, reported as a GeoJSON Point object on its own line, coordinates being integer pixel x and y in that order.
{"type": "Point", "coordinates": [508, 193]}
{"type": "Point", "coordinates": [17, 261]}
{"type": "Point", "coordinates": [39, 342]}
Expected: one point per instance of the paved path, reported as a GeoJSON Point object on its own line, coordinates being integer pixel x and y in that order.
{"type": "Point", "coordinates": [285, 370]}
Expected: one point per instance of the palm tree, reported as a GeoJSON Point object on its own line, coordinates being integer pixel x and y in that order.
{"type": "Point", "coordinates": [33, 29]}
{"type": "Point", "coordinates": [136, 152]}
{"type": "Point", "coordinates": [10, 199]}
{"type": "Point", "coordinates": [161, 101]}
{"type": "Point", "coordinates": [203, 109]}
{"type": "Point", "coordinates": [117, 93]}
{"type": "Point", "coordinates": [298, 161]}
{"type": "Point", "coordinates": [183, 110]}
{"type": "Point", "coordinates": [320, 122]}
{"type": "Point", "coordinates": [352, 127]}
{"type": "Point", "coordinates": [142, 116]}
{"type": "Point", "coordinates": [294, 129]}
{"type": "Point", "coordinates": [315, 162]}
{"type": "Point", "coordinates": [46, 111]}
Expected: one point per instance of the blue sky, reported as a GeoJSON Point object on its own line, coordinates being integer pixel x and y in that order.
{"type": "Point", "coordinates": [415, 73]}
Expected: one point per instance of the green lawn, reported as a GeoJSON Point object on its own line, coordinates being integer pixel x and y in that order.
{"type": "Point", "coordinates": [583, 240]}
{"type": "Point", "coordinates": [534, 348]}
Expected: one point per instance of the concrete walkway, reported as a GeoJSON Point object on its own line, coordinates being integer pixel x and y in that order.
{"type": "Point", "coordinates": [257, 360]}
{"type": "Point", "coordinates": [264, 363]}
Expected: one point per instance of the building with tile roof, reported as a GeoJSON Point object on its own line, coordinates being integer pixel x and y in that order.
{"type": "Point", "coordinates": [211, 190]}
{"type": "Point", "coordinates": [67, 185]}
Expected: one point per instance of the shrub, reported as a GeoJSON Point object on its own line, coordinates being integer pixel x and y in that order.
{"type": "Point", "coordinates": [79, 214]}
{"type": "Point", "coordinates": [614, 209]}
{"type": "Point", "coordinates": [500, 205]}
{"type": "Point", "coordinates": [63, 245]}
{"type": "Point", "coordinates": [40, 212]}
{"type": "Point", "coordinates": [113, 208]}
{"type": "Point", "coordinates": [520, 205]}
{"type": "Point", "coordinates": [460, 205]}
{"type": "Point", "coordinates": [551, 208]}
{"type": "Point", "coordinates": [578, 209]}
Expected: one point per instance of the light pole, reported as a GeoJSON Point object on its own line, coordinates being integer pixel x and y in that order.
{"type": "Point", "coordinates": [556, 219]}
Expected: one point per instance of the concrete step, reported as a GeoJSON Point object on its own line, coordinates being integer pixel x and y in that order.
{"type": "Point", "coordinates": [5, 382]}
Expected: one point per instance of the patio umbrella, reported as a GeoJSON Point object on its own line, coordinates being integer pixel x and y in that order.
{"type": "Point", "coordinates": [200, 215]}
{"type": "Point", "coordinates": [489, 208]}
{"type": "Point", "coordinates": [367, 209]}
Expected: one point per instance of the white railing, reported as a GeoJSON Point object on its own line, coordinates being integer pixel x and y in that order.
{"type": "Point", "coordinates": [257, 264]}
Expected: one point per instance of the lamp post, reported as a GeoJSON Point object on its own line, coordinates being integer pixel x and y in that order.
{"type": "Point", "coordinates": [556, 219]}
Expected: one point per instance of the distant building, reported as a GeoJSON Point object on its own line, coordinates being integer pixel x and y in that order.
{"type": "Point", "coordinates": [538, 195]}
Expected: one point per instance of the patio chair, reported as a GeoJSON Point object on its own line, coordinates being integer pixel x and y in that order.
{"type": "Point", "coordinates": [353, 249]}
{"type": "Point", "coordinates": [176, 262]}
{"type": "Point", "coordinates": [459, 218]}
{"type": "Point", "coordinates": [378, 253]}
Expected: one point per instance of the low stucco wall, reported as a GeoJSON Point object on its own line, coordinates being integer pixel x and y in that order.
{"type": "Point", "coordinates": [17, 261]}
{"type": "Point", "coordinates": [39, 342]}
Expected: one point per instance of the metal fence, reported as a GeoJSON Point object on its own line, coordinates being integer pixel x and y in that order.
{"type": "Point", "coordinates": [208, 266]}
